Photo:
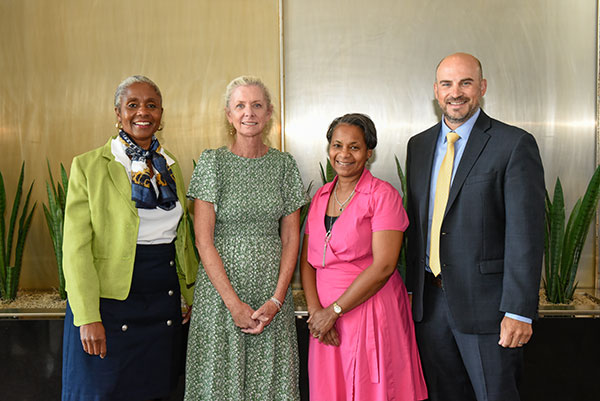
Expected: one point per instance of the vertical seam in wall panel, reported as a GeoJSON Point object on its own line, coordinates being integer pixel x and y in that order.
{"type": "Point", "coordinates": [596, 232]}
{"type": "Point", "coordinates": [282, 77]}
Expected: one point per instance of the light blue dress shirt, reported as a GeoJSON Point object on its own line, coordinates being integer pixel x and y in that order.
{"type": "Point", "coordinates": [464, 131]}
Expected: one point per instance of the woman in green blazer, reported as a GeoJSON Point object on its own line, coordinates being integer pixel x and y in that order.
{"type": "Point", "coordinates": [128, 255]}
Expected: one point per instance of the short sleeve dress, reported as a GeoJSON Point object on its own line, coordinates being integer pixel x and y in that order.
{"type": "Point", "coordinates": [377, 358]}
{"type": "Point", "coordinates": [250, 198]}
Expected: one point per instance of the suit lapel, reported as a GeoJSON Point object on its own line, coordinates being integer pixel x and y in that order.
{"type": "Point", "coordinates": [118, 176]}
{"type": "Point", "coordinates": [423, 163]}
{"type": "Point", "coordinates": [477, 141]}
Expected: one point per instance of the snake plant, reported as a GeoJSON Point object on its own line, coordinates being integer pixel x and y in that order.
{"type": "Point", "coordinates": [10, 269]}
{"type": "Point", "coordinates": [55, 217]}
{"type": "Point", "coordinates": [563, 244]}
{"type": "Point", "coordinates": [327, 174]}
{"type": "Point", "coordinates": [304, 209]}
{"type": "Point", "coordinates": [402, 258]}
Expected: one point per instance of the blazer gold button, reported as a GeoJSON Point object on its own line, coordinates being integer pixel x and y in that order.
{"type": "Point", "coordinates": [171, 293]}
{"type": "Point", "coordinates": [169, 322]}
{"type": "Point", "coordinates": [124, 327]}
{"type": "Point", "coordinates": [172, 263]}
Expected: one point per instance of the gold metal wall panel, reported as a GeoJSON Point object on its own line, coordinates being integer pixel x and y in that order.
{"type": "Point", "coordinates": [379, 58]}
{"type": "Point", "coordinates": [61, 61]}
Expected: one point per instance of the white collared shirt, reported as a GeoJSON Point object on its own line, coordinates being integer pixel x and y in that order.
{"type": "Point", "coordinates": [157, 226]}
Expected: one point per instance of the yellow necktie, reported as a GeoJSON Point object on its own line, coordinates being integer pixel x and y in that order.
{"type": "Point", "coordinates": [442, 189]}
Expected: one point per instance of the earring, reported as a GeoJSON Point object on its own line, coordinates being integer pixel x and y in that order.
{"type": "Point", "coordinates": [118, 126]}
{"type": "Point", "coordinates": [161, 126]}
{"type": "Point", "coordinates": [231, 130]}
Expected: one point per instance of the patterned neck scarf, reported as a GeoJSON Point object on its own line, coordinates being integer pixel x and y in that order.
{"type": "Point", "coordinates": [142, 192]}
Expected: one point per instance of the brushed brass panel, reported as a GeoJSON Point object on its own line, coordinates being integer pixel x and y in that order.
{"type": "Point", "coordinates": [61, 61]}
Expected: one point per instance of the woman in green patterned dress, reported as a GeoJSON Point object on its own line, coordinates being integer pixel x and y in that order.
{"type": "Point", "coordinates": [242, 341]}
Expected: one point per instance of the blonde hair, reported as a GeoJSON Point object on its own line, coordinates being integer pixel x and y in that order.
{"type": "Point", "coordinates": [246, 80]}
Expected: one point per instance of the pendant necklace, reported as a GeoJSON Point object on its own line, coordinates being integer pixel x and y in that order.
{"type": "Point", "coordinates": [328, 227]}
{"type": "Point", "coordinates": [342, 204]}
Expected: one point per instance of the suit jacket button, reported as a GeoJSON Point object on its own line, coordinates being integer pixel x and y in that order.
{"type": "Point", "coordinates": [171, 263]}
{"type": "Point", "coordinates": [171, 293]}
{"type": "Point", "coordinates": [124, 327]}
{"type": "Point", "coordinates": [169, 322]}
{"type": "Point", "coordinates": [443, 233]}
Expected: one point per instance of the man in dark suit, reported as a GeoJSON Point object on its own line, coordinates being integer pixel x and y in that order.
{"type": "Point", "coordinates": [475, 264]}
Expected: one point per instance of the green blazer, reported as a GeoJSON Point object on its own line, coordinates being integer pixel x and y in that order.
{"type": "Point", "coordinates": [100, 234]}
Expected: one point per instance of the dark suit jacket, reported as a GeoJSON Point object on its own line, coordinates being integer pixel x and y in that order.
{"type": "Point", "coordinates": [492, 238]}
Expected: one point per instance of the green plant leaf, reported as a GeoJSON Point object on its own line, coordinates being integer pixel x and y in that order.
{"type": "Point", "coordinates": [2, 211]}
{"type": "Point", "coordinates": [562, 258]}
{"type": "Point", "coordinates": [62, 190]}
{"type": "Point", "coordinates": [330, 171]}
{"type": "Point", "coordinates": [52, 194]}
{"type": "Point", "coordinates": [24, 225]}
{"type": "Point", "coordinates": [23, 231]}
{"type": "Point", "coordinates": [51, 179]}
{"type": "Point", "coordinates": [402, 178]}
{"type": "Point", "coordinates": [304, 209]}
{"type": "Point", "coordinates": [565, 267]}
{"type": "Point", "coordinates": [11, 276]}
{"type": "Point", "coordinates": [547, 228]}
{"type": "Point", "coordinates": [10, 272]}
{"type": "Point", "coordinates": [13, 217]}
{"type": "Point", "coordinates": [2, 198]}
{"type": "Point", "coordinates": [581, 227]}
{"type": "Point", "coordinates": [48, 221]}
{"type": "Point", "coordinates": [57, 194]}
{"type": "Point", "coordinates": [402, 265]}
{"type": "Point", "coordinates": [323, 178]}
{"type": "Point", "coordinates": [557, 219]}
{"type": "Point", "coordinates": [3, 265]}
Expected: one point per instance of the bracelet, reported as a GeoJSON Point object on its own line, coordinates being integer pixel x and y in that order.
{"type": "Point", "coordinates": [276, 302]}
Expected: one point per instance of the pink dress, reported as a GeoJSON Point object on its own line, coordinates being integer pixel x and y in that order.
{"type": "Point", "coordinates": [377, 358]}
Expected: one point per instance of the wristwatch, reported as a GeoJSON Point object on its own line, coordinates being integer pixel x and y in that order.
{"type": "Point", "coordinates": [337, 309]}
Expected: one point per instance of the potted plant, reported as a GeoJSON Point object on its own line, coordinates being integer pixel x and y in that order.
{"type": "Point", "coordinates": [563, 244]}
{"type": "Point", "coordinates": [572, 340]}
{"type": "Point", "coordinates": [10, 269]}
{"type": "Point", "coordinates": [402, 258]}
{"type": "Point", "coordinates": [55, 218]}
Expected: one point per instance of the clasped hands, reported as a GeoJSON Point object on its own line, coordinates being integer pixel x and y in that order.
{"type": "Point", "coordinates": [321, 324]}
{"type": "Point", "coordinates": [251, 321]}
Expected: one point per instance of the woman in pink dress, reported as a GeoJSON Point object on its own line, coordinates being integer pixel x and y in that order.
{"type": "Point", "coordinates": [363, 343]}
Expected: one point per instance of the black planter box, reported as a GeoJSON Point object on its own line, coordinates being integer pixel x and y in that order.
{"type": "Point", "coordinates": [562, 361]}
{"type": "Point", "coordinates": [30, 359]}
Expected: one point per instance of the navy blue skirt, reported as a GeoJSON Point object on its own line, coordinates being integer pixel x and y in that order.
{"type": "Point", "coordinates": [143, 337]}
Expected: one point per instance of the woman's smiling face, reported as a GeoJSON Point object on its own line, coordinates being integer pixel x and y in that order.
{"type": "Point", "coordinates": [248, 110]}
{"type": "Point", "coordinates": [348, 151]}
{"type": "Point", "coordinates": [140, 113]}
